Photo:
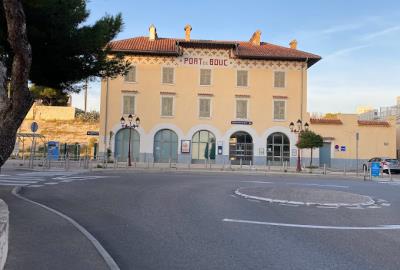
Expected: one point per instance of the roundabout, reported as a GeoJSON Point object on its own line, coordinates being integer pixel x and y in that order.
{"type": "Point", "coordinates": [308, 196]}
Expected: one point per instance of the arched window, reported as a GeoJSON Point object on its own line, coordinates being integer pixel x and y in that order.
{"type": "Point", "coordinates": [278, 148]}
{"type": "Point", "coordinates": [203, 146]}
{"type": "Point", "coordinates": [241, 148]}
{"type": "Point", "coordinates": [122, 144]}
{"type": "Point", "coordinates": [165, 146]}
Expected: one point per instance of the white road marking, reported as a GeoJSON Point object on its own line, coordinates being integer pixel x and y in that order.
{"type": "Point", "coordinates": [35, 186]}
{"type": "Point", "coordinates": [17, 181]}
{"type": "Point", "coordinates": [305, 226]}
{"type": "Point", "coordinates": [50, 183]}
{"type": "Point", "coordinates": [3, 175]}
{"type": "Point", "coordinates": [355, 207]}
{"type": "Point", "coordinates": [13, 184]}
{"type": "Point", "coordinates": [112, 265]}
{"type": "Point", "coordinates": [328, 207]}
{"type": "Point", "coordinates": [317, 185]}
{"type": "Point", "coordinates": [285, 204]}
{"type": "Point", "coordinates": [257, 182]}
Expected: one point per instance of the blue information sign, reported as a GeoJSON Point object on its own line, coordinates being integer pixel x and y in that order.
{"type": "Point", "coordinates": [53, 150]}
{"type": "Point", "coordinates": [343, 148]}
{"type": "Point", "coordinates": [375, 168]}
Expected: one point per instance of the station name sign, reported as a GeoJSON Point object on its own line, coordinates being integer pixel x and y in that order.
{"type": "Point", "coordinates": [199, 61]}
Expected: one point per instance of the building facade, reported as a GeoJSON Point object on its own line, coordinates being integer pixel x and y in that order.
{"type": "Point", "coordinates": [206, 101]}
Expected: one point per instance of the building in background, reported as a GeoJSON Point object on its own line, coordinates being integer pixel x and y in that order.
{"type": "Point", "coordinates": [215, 101]}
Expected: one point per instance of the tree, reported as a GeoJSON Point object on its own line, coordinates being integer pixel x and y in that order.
{"type": "Point", "coordinates": [49, 96]}
{"type": "Point", "coordinates": [65, 52]}
{"type": "Point", "coordinates": [309, 140]}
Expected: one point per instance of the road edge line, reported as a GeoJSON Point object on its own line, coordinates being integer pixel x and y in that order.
{"type": "Point", "coordinates": [100, 249]}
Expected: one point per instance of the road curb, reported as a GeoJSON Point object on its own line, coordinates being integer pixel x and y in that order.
{"type": "Point", "coordinates": [4, 231]}
{"type": "Point", "coordinates": [112, 265]}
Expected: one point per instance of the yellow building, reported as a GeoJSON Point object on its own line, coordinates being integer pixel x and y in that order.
{"type": "Point", "coordinates": [197, 100]}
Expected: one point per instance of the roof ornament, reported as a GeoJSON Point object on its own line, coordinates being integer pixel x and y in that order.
{"type": "Point", "coordinates": [256, 38]}
{"type": "Point", "coordinates": [293, 44]}
{"type": "Point", "coordinates": [152, 32]}
{"type": "Point", "coordinates": [188, 29]}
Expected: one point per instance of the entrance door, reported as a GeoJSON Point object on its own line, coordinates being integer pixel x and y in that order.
{"type": "Point", "coordinates": [203, 147]}
{"type": "Point", "coordinates": [241, 148]}
{"type": "Point", "coordinates": [325, 155]}
{"type": "Point", "coordinates": [122, 144]}
{"type": "Point", "coordinates": [165, 146]}
{"type": "Point", "coordinates": [278, 149]}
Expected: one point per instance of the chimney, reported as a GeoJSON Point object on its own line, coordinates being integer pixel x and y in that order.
{"type": "Point", "coordinates": [256, 38]}
{"type": "Point", "coordinates": [188, 29]}
{"type": "Point", "coordinates": [152, 32]}
{"type": "Point", "coordinates": [293, 44]}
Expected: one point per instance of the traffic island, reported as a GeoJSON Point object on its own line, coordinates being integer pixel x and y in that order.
{"type": "Point", "coordinates": [305, 196]}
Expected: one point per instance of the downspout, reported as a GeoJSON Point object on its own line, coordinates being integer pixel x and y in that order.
{"type": "Point", "coordinates": [302, 90]}
{"type": "Point", "coordinates": [106, 119]}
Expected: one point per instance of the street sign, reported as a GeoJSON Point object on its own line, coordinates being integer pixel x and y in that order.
{"type": "Point", "coordinates": [343, 148]}
{"type": "Point", "coordinates": [241, 122]}
{"type": "Point", "coordinates": [375, 168]}
{"type": "Point", "coordinates": [34, 127]}
{"type": "Point", "coordinates": [92, 133]}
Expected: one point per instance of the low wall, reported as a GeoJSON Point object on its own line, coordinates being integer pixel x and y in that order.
{"type": "Point", "coordinates": [4, 224]}
{"type": "Point", "coordinates": [38, 112]}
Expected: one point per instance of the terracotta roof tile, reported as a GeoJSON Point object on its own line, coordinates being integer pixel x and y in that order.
{"type": "Point", "coordinates": [325, 121]}
{"type": "Point", "coordinates": [240, 49]}
{"type": "Point", "coordinates": [373, 123]}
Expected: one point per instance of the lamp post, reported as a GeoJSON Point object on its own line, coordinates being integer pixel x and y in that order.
{"type": "Point", "coordinates": [297, 130]}
{"type": "Point", "coordinates": [131, 126]}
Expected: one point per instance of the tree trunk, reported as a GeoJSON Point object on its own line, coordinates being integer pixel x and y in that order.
{"type": "Point", "coordinates": [311, 158]}
{"type": "Point", "coordinates": [14, 107]}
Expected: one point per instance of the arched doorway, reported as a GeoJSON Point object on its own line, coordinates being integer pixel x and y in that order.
{"type": "Point", "coordinates": [278, 148]}
{"type": "Point", "coordinates": [122, 144]}
{"type": "Point", "coordinates": [165, 146]}
{"type": "Point", "coordinates": [203, 146]}
{"type": "Point", "coordinates": [241, 148]}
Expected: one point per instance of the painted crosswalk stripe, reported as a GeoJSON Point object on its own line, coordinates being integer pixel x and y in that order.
{"type": "Point", "coordinates": [17, 181]}
{"type": "Point", "coordinates": [13, 184]}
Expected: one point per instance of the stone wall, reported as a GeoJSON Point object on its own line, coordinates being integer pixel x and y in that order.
{"type": "Point", "coordinates": [38, 112]}
{"type": "Point", "coordinates": [64, 131]}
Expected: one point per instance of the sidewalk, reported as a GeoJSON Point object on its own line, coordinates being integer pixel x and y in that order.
{"type": "Point", "coordinates": [40, 240]}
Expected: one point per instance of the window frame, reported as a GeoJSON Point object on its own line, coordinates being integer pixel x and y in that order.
{"type": "Point", "coordinates": [127, 94]}
{"type": "Point", "coordinates": [273, 110]}
{"type": "Point", "coordinates": [248, 78]}
{"type": "Point", "coordinates": [136, 75]}
{"type": "Point", "coordinates": [198, 108]}
{"type": "Point", "coordinates": [285, 80]}
{"type": "Point", "coordinates": [247, 107]}
{"type": "Point", "coordinates": [173, 105]}
{"type": "Point", "coordinates": [211, 77]}
{"type": "Point", "coordinates": [173, 75]}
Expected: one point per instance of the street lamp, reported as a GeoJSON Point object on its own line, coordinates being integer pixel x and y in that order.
{"type": "Point", "coordinates": [131, 126]}
{"type": "Point", "coordinates": [297, 130]}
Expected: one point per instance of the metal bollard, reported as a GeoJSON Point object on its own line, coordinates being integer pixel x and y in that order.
{"type": "Point", "coordinates": [390, 174]}
{"type": "Point", "coordinates": [344, 170]}
{"type": "Point", "coordinates": [250, 166]}
{"type": "Point", "coordinates": [324, 168]}
{"type": "Point", "coordinates": [240, 163]}
{"type": "Point", "coordinates": [170, 163]}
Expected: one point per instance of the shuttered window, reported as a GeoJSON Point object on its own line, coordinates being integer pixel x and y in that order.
{"type": "Point", "coordinates": [205, 107]}
{"type": "Point", "coordinates": [242, 78]}
{"type": "Point", "coordinates": [129, 104]}
{"type": "Point", "coordinates": [241, 109]}
{"type": "Point", "coordinates": [168, 75]}
{"type": "Point", "coordinates": [279, 79]}
{"type": "Point", "coordinates": [279, 110]}
{"type": "Point", "coordinates": [205, 76]}
{"type": "Point", "coordinates": [131, 75]}
{"type": "Point", "coordinates": [167, 106]}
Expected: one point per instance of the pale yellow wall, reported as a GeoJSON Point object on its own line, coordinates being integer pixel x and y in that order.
{"type": "Point", "coordinates": [374, 140]}
{"type": "Point", "coordinates": [223, 88]}
{"type": "Point", "coordinates": [38, 112]}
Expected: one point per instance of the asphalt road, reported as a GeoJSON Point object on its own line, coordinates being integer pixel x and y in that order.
{"type": "Point", "coordinates": [176, 221]}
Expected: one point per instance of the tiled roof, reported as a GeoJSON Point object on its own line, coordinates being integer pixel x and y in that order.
{"type": "Point", "coordinates": [325, 121]}
{"type": "Point", "coordinates": [373, 123]}
{"type": "Point", "coordinates": [241, 49]}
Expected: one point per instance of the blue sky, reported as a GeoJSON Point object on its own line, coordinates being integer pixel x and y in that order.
{"type": "Point", "coordinates": [358, 40]}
